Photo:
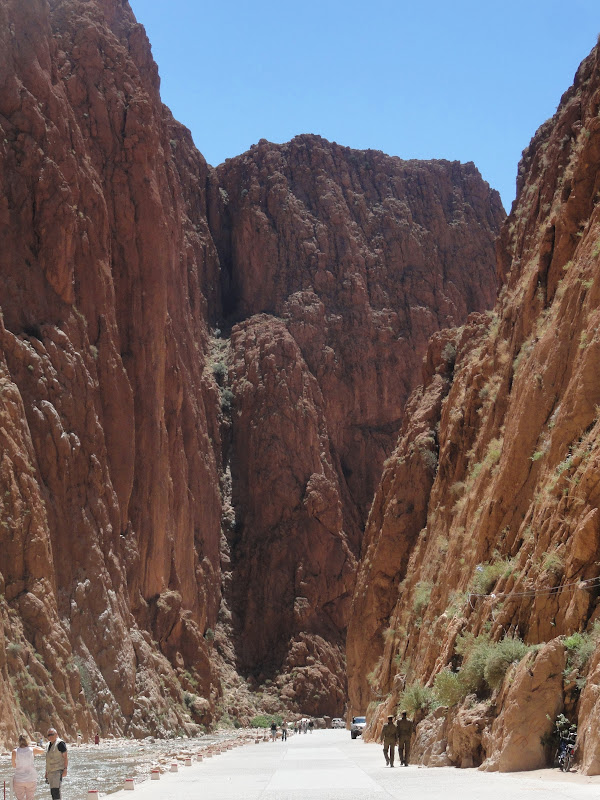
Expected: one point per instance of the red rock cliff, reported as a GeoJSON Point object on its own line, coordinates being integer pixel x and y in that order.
{"type": "Point", "coordinates": [486, 523]}
{"type": "Point", "coordinates": [111, 509]}
{"type": "Point", "coordinates": [341, 263]}
{"type": "Point", "coordinates": [131, 435]}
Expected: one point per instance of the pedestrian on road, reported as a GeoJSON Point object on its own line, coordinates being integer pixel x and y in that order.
{"type": "Point", "coordinates": [25, 777]}
{"type": "Point", "coordinates": [57, 761]}
{"type": "Point", "coordinates": [404, 729]}
{"type": "Point", "coordinates": [273, 731]}
{"type": "Point", "coordinates": [389, 737]}
{"type": "Point", "coordinates": [284, 730]}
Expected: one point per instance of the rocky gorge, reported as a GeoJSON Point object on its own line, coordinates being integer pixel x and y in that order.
{"type": "Point", "coordinates": [203, 371]}
{"type": "Point", "coordinates": [267, 442]}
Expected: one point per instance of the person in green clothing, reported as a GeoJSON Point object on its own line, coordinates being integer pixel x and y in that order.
{"type": "Point", "coordinates": [404, 730]}
{"type": "Point", "coordinates": [388, 737]}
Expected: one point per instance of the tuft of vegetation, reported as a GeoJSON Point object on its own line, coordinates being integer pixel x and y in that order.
{"type": "Point", "coordinates": [416, 699]}
{"type": "Point", "coordinates": [484, 666]}
{"type": "Point", "coordinates": [502, 654]}
{"type": "Point", "coordinates": [580, 647]}
{"type": "Point", "coordinates": [448, 688]}
{"type": "Point", "coordinates": [422, 595]}
{"type": "Point", "coordinates": [487, 575]}
{"type": "Point", "coordinates": [553, 563]}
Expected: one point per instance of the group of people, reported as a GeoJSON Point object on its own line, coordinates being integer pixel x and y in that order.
{"type": "Point", "coordinates": [397, 733]}
{"type": "Point", "coordinates": [25, 776]}
{"type": "Point", "coordinates": [303, 726]}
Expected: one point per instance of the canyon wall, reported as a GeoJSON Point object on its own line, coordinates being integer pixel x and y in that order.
{"type": "Point", "coordinates": [336, 266]}
{"type": "Point", "coordinates": [110, 458]}
{"type": "Point", "coordinates": [177, 500]}
{"type": "Point", "coordinates": [485, 529]}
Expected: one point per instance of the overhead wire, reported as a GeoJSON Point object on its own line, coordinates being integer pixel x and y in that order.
{"type": "Point", "coordinates": [585, 583]}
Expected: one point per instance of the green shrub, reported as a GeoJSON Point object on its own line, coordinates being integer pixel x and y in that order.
{"type": "Point", "coordinates": [502, 654]}
{"type": "Point", "coordinates": [448, 689]}
{"type": "Point", "coordinates": [580, 646]}
{"type": "Point", "coordinates": [484, 662]}
{"type": "Point", "coordinates": [415, 698]}
{"type": "Point", "coordinates": [265, 720]}
{"type": "Point", "coordinates": [421, 596]}
{"type": "Point", "coordinates": [475, 652]}
{"type": "Point", "coordinates": [487, 575]}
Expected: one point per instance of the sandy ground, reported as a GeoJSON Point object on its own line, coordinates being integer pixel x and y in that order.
{"type": "Point", "coordinates": [328, 765]}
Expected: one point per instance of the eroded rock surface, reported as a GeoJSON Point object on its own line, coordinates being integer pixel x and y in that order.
{"type": "Point", "coordinates": [150, 465]}
{"type": "Point", "coordinates": [508, 545]}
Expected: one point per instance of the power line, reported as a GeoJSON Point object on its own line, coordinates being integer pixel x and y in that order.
{"type": "Point", "coordinates": [589, 583]}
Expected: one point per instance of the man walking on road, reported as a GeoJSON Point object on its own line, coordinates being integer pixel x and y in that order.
{"type": "Point", "coordinates": [388, 737]}
{"type": "Point", "coordinates": [57, 761]}
{"type": "Point", "coordinates": [404, 729]}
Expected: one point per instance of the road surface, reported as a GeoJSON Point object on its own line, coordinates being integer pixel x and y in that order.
{"type": "Point", "coordinates": [328, 765]}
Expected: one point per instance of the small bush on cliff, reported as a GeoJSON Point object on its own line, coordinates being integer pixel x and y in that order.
{"type": "Point", "coordinates": [421, 596]}
{"type": "Point", "coordinates": [502, 654]}
{"type": "Point", "coordinates": [580, 646]}
{"type": "Point", "coordinates": [485, 663]}
{"type": "Point", "coordinates": [416, 698]}
{"type": "Point", "coordinates": [475, 651]}
{"type": "Point", "coordinates": [487, 575]}
{"type": "Point", "coordinates": [448, 688]}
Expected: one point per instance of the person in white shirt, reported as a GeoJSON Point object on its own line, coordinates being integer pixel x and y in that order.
{"type": "Point", "coordinates": [25, 777]}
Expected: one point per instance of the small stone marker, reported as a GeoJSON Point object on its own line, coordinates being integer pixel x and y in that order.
{"type": "Point", "coordinates": [174, 767]}
{"type": "Point", "coordinates": [188, 761]}
{"type": "Point", "coordinates": [155, 774]}
{"type": "Point", "coordinates": [129, 784]}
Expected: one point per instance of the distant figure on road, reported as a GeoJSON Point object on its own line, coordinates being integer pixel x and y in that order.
{"type": "Point", "coordinates": [273, 731]}
{"type": "Point", "coordinates": [284, 730]}
{"type": "Point", "coordinates": [388, 737]}
{"type": "Point", "coordinates": [311, 725]}
{"type": "Point", "coordinates": [25, 777]}
{"type": "Point", "coordinates": [57, 761]}
{"type": "Point", "coordinates": [404, 728]}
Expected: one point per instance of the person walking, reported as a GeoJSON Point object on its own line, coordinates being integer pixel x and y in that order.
{"type": "Point", "coordinates": [404, 729]}
{"type": "Point", "coordinates": [57, 761]}
{"type": "Point", "coordinates": [388, 737]}
{"type": "Point", "coordinates": [273, 731]}
{"type": "Point", "coordinates": [311, 725]}
{"type": "Point", "coordinates": [284, 730]}
{"type": "Point", "coordinates": [25, 778]}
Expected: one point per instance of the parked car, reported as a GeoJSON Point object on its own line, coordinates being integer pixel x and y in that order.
{"type": "Point", "coordinates": [357, 726]}
{"type": "Point", "coordinates": [338, 722]}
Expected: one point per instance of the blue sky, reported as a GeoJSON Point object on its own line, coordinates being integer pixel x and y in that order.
{"type": "Point", "coordinates": [463, 80]}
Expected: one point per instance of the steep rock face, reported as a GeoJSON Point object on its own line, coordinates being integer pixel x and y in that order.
{"type": "Point", "coordinates": [510, 538]}
{"type": "Point", "coordinates": [127, 445]}
{"type": "Point", "coordinates": [348, 261]}
{"type": "Point", "coordinates": [365, 256]}
{"type": "Point", "coordinates": [109, 480]}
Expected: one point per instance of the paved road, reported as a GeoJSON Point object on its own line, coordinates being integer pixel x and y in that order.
{"type": "Point", "coordinates": [328, 765]}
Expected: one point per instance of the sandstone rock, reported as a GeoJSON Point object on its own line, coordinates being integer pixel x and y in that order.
{"type": "Point", "coordinates": [529, 706]}
{"type": "Point", "coordinates": [126, 448]}
{"type": "Point", "coordinates": [508, 544]}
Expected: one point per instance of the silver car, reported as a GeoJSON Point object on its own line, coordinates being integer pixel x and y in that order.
{"type": "Point", "coordinates": [338, 722]}
{"type": "Point", "coordinates": [358, 726]}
